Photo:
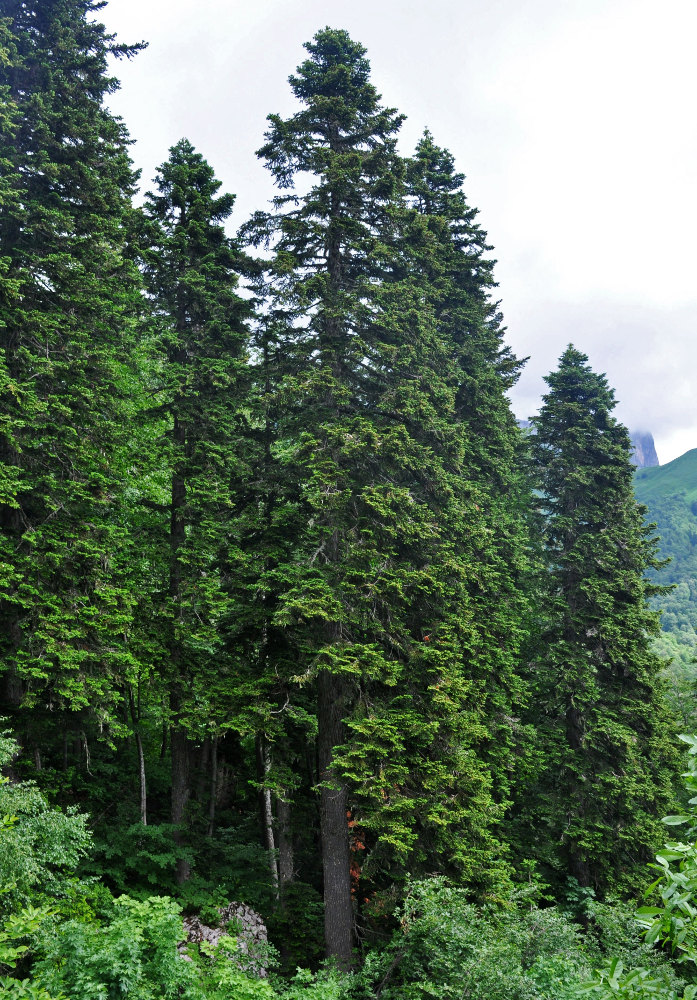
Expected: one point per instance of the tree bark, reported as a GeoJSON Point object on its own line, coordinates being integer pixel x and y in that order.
{"type": "Point", "coordinates": [202, 775]}
{"type": "Point", "coordinates": [286, 871]}
{"type": "Point", "coordinates": [338, 908]}
{"type": "Point", "coordinates": [141, 756]}
{"type": "Point", "coordinates": [214, 787]}
{"type": "Point", "coordinates": [265, 808]}
{"type": "Point", "coordinates": [181, 792]}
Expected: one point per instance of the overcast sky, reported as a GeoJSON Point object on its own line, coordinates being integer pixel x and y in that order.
{"type": "Point", "coordinates": [574, 121]}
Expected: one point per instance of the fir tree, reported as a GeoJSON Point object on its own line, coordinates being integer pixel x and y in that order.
{"type": "Point", "coordinates": [67, 314]}
{"type": "Point", "coordinates": [199, 380]}
{"type": "Point", "coordinates": [600, 713]}
{"type": "Point", "coordinates": [377, 597]}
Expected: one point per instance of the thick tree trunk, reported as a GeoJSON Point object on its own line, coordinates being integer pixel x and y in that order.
{"type": "Point", "coordinates": [214, 787]}
{"type": "Point", "coordinates": [575, 734]}
{"type": "Point", "coordinates": [338, 908]}
{"type": "Point", "coordinates": [181, 792]}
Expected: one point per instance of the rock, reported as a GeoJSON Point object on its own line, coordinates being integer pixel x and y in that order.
{"type": "Point", "coordinates": [643, 450]}
{"type": "Point", "coordinates": [240, 922]}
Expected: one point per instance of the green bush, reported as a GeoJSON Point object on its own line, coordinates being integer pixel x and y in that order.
{"type": "Point", "coordinates": [40, 847]}
{"type": "Point", "coordinates": [133, 955]}
{"type": "Point", "coordinates": [447, 947]}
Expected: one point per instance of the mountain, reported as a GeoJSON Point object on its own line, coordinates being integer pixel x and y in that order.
{"type": "Point", "coordinates": [643, 450]}
{"type": "Point", "coordinates": [643, 446]}
{"type": "Point", "coordinates": [670, 493]}
{"type": "Point", "coordinates": [677, 478]}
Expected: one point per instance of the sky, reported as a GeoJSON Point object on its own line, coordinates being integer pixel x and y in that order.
{"type": "Point", "coordinates": [573, 121]}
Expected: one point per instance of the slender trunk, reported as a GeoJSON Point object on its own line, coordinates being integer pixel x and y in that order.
{"type": "Point", "coordinates": [263, 765]}
{"type": "Point", "coordinates": [141, 757]}
{"type": "Point", "coordinates": [202, 769]}
{"type": "Point", "coordinates": [88, 756]}
{"type": "Point", "coordinates": [143, 787]}
{"type": "Point", "coordinates": [285, 844]}
{"type": "Point", "coordinates": [338, 908]}
{"type": "Point", "coordinates": [214, 786]}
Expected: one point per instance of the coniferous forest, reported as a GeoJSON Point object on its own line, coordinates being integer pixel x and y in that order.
{"type": "Point", "coordinates": [309, 655]}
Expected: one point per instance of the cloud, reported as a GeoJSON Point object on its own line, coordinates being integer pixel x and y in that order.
{"type": "Point", "coordinates": [642, 350]}
{"type": "Point", "coordinates": [573, 121]}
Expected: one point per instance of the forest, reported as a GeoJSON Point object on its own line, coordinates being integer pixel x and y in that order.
{"type": "Point", "coordinates": [320, 677]}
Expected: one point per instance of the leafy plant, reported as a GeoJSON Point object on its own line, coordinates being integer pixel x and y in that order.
{"type": "Point", "coordinates": [134, 955]}
{"type": "Point", "coordinates": [613, 983]}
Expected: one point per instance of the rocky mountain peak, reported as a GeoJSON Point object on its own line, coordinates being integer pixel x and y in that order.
{"type": "Point", "coordinates": [643, 450]}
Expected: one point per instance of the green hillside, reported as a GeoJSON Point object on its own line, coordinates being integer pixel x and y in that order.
{"type": "Point", "coordinates": [670, 493]}
{"type": "Point", "coordinates": [677, 478]}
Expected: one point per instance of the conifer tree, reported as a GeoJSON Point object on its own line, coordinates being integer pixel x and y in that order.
{"type": "Point", "coordinates": [377, 598]}
{"type": "Point", "coordinates": [67, 312]}
{"type": "Point", "coordinates": [451, 256]}
{"type": "Point", "coordinates": [599, 707]}
{"type": "Point", "coordinates": [199, 382]}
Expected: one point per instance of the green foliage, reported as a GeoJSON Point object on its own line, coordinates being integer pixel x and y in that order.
{"type": "Point", "coordinates": [674, 922]}
{"type": "Point", "coordinates": [133, 954]}
{"type": "Point", "coordinates": [326, 985]}
{"type": "Point", "coordinates": [613, 983]}
{"type": "Point", "coordinates": [68, 369]}
{"type": "Point", "coordinates": [447, 947]}
{"type": "Point", "coordinates": [668, 492]}
{"type": "Point", "coordinates": [297, 574]}
{"type": "Point", "coordinates": [222, 977]}
{"type": "Point", "coordinates": [296, 926]}
{"type": "Point", "coordinates": [599, 705]}
{"type": "Point", "coordinates": [398, 601]}
{"type": "Point", "coordinates": [40, 846]}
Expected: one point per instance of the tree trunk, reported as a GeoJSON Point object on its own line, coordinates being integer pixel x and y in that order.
{"type": "Point", "coordinates": [214, 787]}
{"type": "Point", "coordinates": [141, 756]}
{"type": "Point", "coordinates": [286, 872]}
{"type": "Point", "coordinates": [338, 908]}
{"type": "Point", "coordinates": [143, 787]}
{"type": "Point", "coordinates": [202, 775]}
{"type": "Point", "coordinates": [265, 808]}
{"type": "Point", "coordinates": [181, 792]}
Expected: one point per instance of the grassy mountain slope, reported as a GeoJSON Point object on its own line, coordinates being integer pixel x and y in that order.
{"type": "Point", "coordinates": [670, 493]}
{"type": "Point", "coordinates": [677, 478]}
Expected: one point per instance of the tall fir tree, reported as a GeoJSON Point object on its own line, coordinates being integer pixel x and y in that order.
{"type": "Point", "coordinates": [599, 708]}
{"type": "Point", "coordinates": [199, 384]}
{"type": "Point", "coordinates": [70, 300]}
{"type": "Point", "coordinates": [457, 278]}
{"type": "Point", "coordinates": [377, 597]}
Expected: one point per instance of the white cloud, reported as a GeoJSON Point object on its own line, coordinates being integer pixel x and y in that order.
{"type": "Point", "coordinates": [574, 122]}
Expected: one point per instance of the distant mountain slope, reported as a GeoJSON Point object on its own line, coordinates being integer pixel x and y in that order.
{"type": "Point", "coordinates": [670, 493]}
{"type": "Point", "coordinates": [676, 478]}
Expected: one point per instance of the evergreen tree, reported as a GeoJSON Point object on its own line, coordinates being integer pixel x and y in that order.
{"type": "Point", "coordinates": [69, 301]}
{"type": "Point", "coordinates": [377, 597]}
{"type": "Point", "coordinates": [456, 275]}
{"type": "Point", "coordinates": [599, 708]}
{"type": "Point", "coordinates": [199, 380]}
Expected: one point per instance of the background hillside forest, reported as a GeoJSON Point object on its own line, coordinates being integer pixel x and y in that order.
{"type": "Point", "coordinates": [292, 613]}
